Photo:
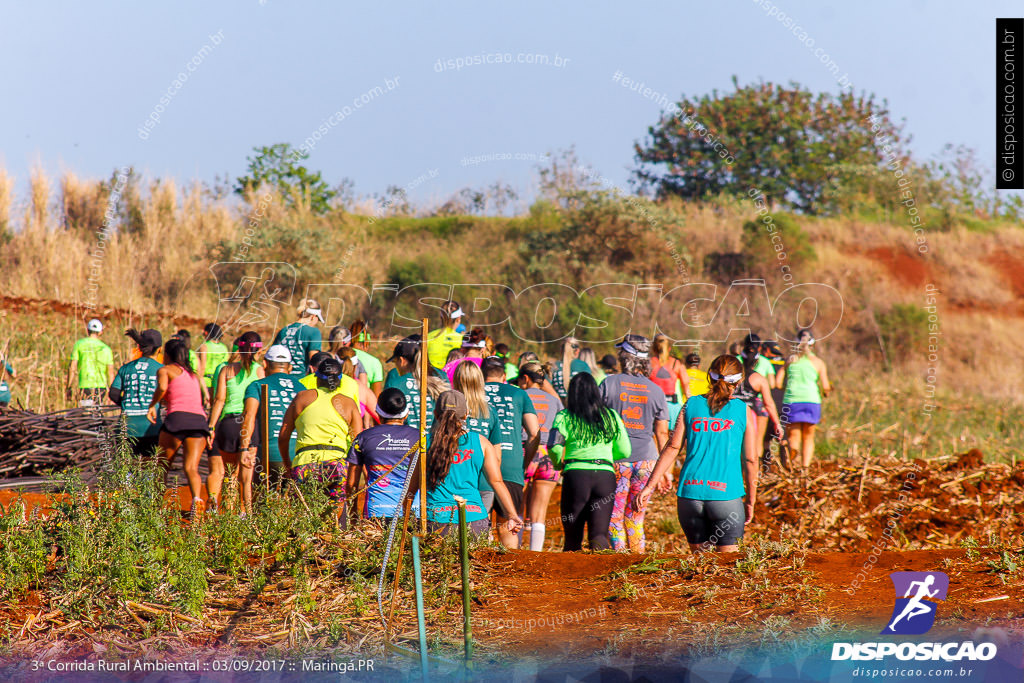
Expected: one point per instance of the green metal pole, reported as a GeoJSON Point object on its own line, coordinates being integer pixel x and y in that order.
{"type": "Point", "coordinates": [420, 621]}
{"type": "Point", "coordinates": [467, 625]}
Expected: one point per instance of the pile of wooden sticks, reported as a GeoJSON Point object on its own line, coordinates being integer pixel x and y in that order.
{"type": "Point", "coordinates": [32, 444]}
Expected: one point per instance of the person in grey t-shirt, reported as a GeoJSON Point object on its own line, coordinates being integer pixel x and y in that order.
{"type": "Point", "coordinates": [644, 411]}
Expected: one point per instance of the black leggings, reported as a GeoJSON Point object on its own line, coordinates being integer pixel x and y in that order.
{"type": "Point", "coordinates": [587, 499]}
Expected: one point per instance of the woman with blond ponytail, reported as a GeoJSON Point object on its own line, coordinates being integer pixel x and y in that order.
{"type": "Point", "coordinates": [718, 481]}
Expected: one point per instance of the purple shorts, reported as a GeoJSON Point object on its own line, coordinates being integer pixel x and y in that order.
{"type": "Point", "coordinates": [801, 412]}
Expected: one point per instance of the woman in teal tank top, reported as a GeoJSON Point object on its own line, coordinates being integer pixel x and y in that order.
{"type": "Point", "coordinates": [226, 414]}
{"type": "Point", "coordinates": [802, 376]}
{"type": "Point", "coordinates": [455, 457]}
{"type": "Point", "coordinates": [718, 481]}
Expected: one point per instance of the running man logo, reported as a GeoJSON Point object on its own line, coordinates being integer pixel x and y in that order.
{"type": "Point", "coordinates": [914, 612]}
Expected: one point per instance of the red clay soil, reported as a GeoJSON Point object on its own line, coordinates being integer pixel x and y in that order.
{"type": "Point", "coordinates": [574, 604]}
{"type": "Point", "coordinates": [43, 503]}
{"type": "Point", "coordinates": [1012, 268]}
{"type": "Point", "coordinates": [905, 268]}
{"type": "Point", "coordinates": [26, 305]}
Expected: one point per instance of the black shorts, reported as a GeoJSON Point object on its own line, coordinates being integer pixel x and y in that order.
{"type": "Point", "coordinates": [228, 437]}
{"type": "Point", "coordinates": [183, 426]}
{"type": "Point", "coordinates": [718, 522]}
{"type": "Point", "coordinates": [143, 445]}
{"type": "Point", "coordinates": [514, 490]}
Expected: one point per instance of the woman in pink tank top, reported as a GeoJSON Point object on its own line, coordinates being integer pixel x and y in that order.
{"type": "Point", "coordinates": [183, 395]}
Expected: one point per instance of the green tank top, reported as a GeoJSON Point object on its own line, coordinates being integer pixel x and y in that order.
{"type": "Point", "coordinates": [801, 382]}
{"type": "Point", "coordinates": [216, 353]}
{"type": "Point", "coordinates": [236, 387]}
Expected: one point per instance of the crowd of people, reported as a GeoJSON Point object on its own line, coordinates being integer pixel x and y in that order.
{"type": "Point", "coordinates": [502, 431]}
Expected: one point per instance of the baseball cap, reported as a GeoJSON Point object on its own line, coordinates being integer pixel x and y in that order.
{"type": "Point", "coordinates": [151, 337]}
{"type": "Point", "coordinates": [451, 400]}
{"type": "Point", "coordinates": [279, 353]}
{"type": "Point", "coordinates": [94, 325]}
{"type": "Point", "coordinates": [635, 345]}
{"type": "Point", "coordinates": [406, 349]}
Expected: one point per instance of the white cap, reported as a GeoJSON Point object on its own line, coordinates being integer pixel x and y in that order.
{"type": "Point", "coordinates": [279, 353]}
{"type": "Point", "coordinates": [94, 325]}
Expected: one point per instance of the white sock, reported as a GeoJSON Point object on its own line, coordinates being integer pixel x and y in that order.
{"type": "Point", "coordinates": [537, 536]}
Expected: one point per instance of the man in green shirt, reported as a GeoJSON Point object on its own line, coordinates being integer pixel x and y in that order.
{"type": "Point", "coordinates": [515, 413]}
{"type": "Point", "coordinates": [92, 367]}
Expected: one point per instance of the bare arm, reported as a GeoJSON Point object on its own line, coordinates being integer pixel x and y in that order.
{"type": "Point", "coordinates": [532, 426]}
{"type": "Point", "coordinates": [675, 442]}
{"type": "Point", "coordinates": [763, 385]}
{"type": "Point", "coordinates": [750, 449]}
{"type": "Point", "coordinates": [826, 387]}
{"type": "Point", "coordinates": [285, 437]}
{"type": "Point", "coordinates": [492, 469]}
{"type": "Point", "coordinates": [220, 397]}
{"type": "Point", "coordinates": [252, 405]}
{"type": "Point", "coordinates": [161, 388]}
{"type": "Point", "coordinates": [660, 433]}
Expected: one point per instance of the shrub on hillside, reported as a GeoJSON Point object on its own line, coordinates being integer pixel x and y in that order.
{"type": "Point", "coordinates": [769, 237]}
{"type": "Point", "coordinates": [904, 329]}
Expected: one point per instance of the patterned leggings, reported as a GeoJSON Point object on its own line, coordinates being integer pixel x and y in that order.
{"type": "Point", "coordinates": [627, 525]}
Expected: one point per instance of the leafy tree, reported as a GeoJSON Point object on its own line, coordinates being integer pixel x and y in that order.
{"type": "Point", "coordinates": [785, 141]}
{"type": "Point", "coordinates": [278, 166]}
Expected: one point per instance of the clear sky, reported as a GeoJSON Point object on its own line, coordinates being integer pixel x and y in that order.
{"type": "Point", "coordinates": [82, 78]}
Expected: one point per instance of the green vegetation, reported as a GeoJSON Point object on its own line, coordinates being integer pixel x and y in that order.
{"type": "Point", "coordinates": [779, 140]}
{"type": "Point", "coordinates": [278, 167]}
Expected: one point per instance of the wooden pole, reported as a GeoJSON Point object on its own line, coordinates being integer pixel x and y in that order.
{"type": "Point", "coordinates": [423, 427]}
{"type": "Point", "coordinates": [265, 433]}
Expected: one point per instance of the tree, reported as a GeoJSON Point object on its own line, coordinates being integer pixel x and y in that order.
{"type": "Point", "coordinates": [784, 141]}
{"type": "Point", "coordinates": [278, 166]}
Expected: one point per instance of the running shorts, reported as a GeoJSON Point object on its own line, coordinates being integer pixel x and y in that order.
{"type": "Point", "coordinates": [143, 446]}
{"type": "Point", "coordinates": [718, 522]}
{"type": "Point", "coordinates": [514, 490]}
{"type": "Point", "coordinates": [487, 497]}
{"type": "Point", "coordinates": [541, 468]}
{"type": "Point", "coordinates": [757, 405]}
{"type": "Point", "coordinates": [182, 425]}
{"type": "Point", "coordinates": [228, 437]}
{"type": "Point", "coordinates": [809, 413]}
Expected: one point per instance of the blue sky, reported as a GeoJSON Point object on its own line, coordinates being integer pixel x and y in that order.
{"type": "Point", "coordinates": [81, 78]}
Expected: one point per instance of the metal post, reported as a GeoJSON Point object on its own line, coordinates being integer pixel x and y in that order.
{"type": "Point", "coordinates": [265, 433]}
{"type": "Point", "coordinates": [424, 374]}
{"type": "Point", "coordinates": [420, 620]}
{"type": "Point", "coordinates": [467, 626]}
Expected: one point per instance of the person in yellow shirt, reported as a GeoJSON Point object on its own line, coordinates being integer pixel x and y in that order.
{"type": "Point", "coordinates": [699, 383]}
{"type": "Point", "coordinates": [347, 386]}
{"type": "Point", "coordinates": [325, 424]}
{"type": "Point", "coordinates": [441, 342]}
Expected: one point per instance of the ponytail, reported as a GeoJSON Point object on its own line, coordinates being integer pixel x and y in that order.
{"type": "Point", "coordinates": [445, 433]}
{"type": "Point", "coordinates": [328, 374]}
{"type": "Point", "coordinates": [721, 371]}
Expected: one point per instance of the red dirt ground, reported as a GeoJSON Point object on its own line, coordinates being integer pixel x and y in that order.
{"type": "Point", "coordinates": [904, 267]}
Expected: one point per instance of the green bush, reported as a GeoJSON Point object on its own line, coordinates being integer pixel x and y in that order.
{"type": "Point", "coordinates": [904, 328]}
{"type": "Point", "coordinates": [760, 251]}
